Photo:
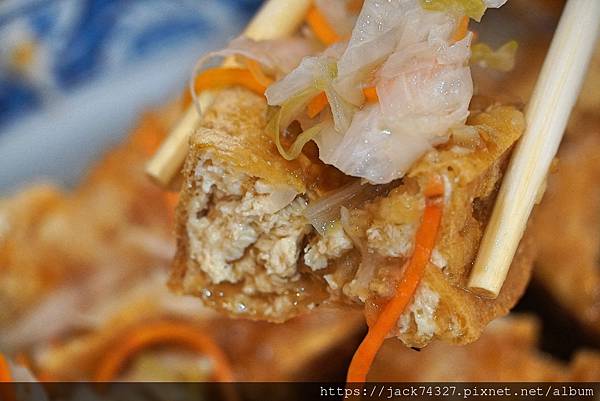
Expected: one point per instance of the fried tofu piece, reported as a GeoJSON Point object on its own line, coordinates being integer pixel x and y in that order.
{"type": "Point", "coordinates": [288, 349]}
{"type": "Point", "coordinates": [81, 270]}
{"type": "Point", "coordinates": [246, 248]}
{"type": "Point", "coordinates": [116, 219]}
{"type": "Point", "coordinates": [507, 352]}
{"type": "Point", "coordinates": [567, 229]}
{"type": "Point", "coordinates": [21, 278]}
{"type": "Point", "coordinates": [240, 225]}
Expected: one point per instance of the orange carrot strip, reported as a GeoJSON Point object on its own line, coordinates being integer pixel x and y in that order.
{"type": "Point", "coordinates": [221, 77]}
{"type": "Point", "coordinates": [5, 375]}
{"type": "Point", "coordinates": [461, 29]}
{"type": "Point", "coordinates": [371, 94]}
{"type": "Point", "coordinates": [435, 187]}
{"type": "Point", "coordinates": [257, 72]}
{"type": "Point", "coordinates": [387, 319]}
{"type": "Point", "coordinates": [6, 392]}
{"type": "Point", "coordinates": [321, 27]}
{"type": "Point", "coordinates": [163, 333]}
{"type": "Point", "coordinates": [317, 104]}
{"type": "Point", "coordinates": [171, 199]}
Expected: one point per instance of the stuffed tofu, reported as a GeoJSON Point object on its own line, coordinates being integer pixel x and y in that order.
{"type": "Point", "coordinates": [364, 176]}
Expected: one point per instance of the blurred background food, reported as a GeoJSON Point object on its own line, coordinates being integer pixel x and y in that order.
{"type": "Point", "coordinates": [79, 72]}
{"type": "Point", "coordinates": [88, 89]}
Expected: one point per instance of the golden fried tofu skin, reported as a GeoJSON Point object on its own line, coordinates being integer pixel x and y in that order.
{"type": "Point", "coordinates": [585, 114]}
{"type": "Point", "coordinates": [152, 335]}
{"type": "Point", "coordinates": [240, 224]}
{"type": "Point", "coordinates": [251, 242]}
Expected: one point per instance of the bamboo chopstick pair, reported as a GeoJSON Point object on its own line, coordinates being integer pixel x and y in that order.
{"type": "Point", "coordinates": [547, 115]}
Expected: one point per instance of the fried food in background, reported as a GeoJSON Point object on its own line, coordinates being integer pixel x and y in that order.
{"type": "Point", "coordinates": [569, 246]}
{"type": "Point", "coordinates": [566, 226]}
{"type": "Point", "coordinates": [567, 229]}
{"type": "Point", "coordinates": [586, 115]}
{"type": "Point", "coordinates": [108, 352]}
{"type": "Point", "coordinates": [22, 280]}
{"type": "Point", "coordinates": [53, 238]}
{"type": "Point", "coordinates": [81, 272]}
{"type": "Point", "coordinates": [506, 351]}
{"type": "Point", "coordinates": [84, 275]}
{"type": "Point", "coordinates": [532, 26]}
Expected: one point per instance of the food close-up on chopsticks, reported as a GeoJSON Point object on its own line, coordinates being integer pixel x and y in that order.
{"type": "Point", "coordinates": [331, 191]}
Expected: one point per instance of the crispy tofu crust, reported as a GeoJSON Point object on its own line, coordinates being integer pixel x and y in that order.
{"type": "Point", "coordinates": [232, 146]}
{"type": "Point", "coordinates": [230, 160]}
{"type": "Point", "coordinates": [233, 128]}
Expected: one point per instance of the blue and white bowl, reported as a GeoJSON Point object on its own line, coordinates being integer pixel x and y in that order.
{"type": "Point", "coordinates": [75, 74]}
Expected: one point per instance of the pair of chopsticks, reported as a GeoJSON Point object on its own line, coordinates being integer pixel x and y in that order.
{"type": "Point", "coordinates": [547, 115]}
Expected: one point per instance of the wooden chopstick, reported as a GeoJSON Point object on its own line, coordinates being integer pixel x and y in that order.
{"type": "Point", "coordinates": [547, 115]}
{"type": "Point", "coordinates": [276, 19]}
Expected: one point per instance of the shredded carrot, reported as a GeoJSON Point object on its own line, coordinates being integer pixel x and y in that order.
{"type": "Point", "coordinates": [171, 199]}
{"type": "Point", "coordinates": [435, 187]}
{"type": "Point", "coordinates": [257, 72]}
{"type": "Point", "coordinates": [319, 102]}
{"type": "Point", "coordinates": [461, 29]}
{"type": "Point", "coordinates": [6, 392]}
{"type": "Point", "coordinates": [163, 333]}
{"type": "Point", "coordinates": [222, 77]}
{"type": "Point", "coordinates": [415, 268]}
{"type": "Point", "coordinates": [371, 94]}
{"type": "Point", "coordinates": [321, 27]}
{"type": "Point", "coordinates": [5, 375]}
